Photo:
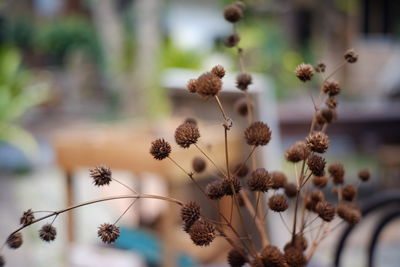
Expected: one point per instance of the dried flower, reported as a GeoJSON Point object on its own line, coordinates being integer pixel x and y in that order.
{"type": "Point", "coordinates": [27, 217]}
{"type": "Point", "coordinates": [290, 190]}
{"type": "Point", "coordinates": [272, 256]}
{"type": "Point", "coordinates": [14, 241]}
{"type": "Point", "coordinates": [295, 257]}
{"type": "Point", "coordinates": [243, 80]}
{"type": "Point", "coordinates": [208, 85]}
{"type": "Point", "coordinates": [108, 233]}
{"type": "Point", "coordinates": [215, 190]}
{"type": "Point", "coordinates": [278, 179]}
{"type": "Point", "coordinates": [227, 184]}
{"type": "Point", "coordinates": [242, 107]}
{"type": "Point", "coordinates": [232, 40]}
{"type": "Point", "coordinates": [202, 233]}
{"type": "Point", "coordinates": [313, 199]}
{"type": "Point", "coordinates": [336, 171]}
{"type": "Point", "coordinates": [300, 242]}
{"type": "Point", "coordinates": [257, 134]}
{"type": "Point", "coordinates": [191, 85]}
{"type": "Point", "coordinates": [349, 192]}
{"type": "Point", "coordinates": [318, 142]}
{"type": "Point", "coordinates": [199, 164]}
{"type": "Point", "coordinates": [320, 181]}
{"type": "Point", "coordinates": [297, 152]}
{"type": "Point", "coordinates": [241, 170]}
{"type": "Point", "coordinates": [187, 134]}
{"type": "Point", "coordinates": [348, 213]}
{"type": "Point", "coordinates": [331, 88]}
{"type": "Point", "coordinates": [325, 210]}
{"type": "Point", "coordinates": [316, 164]}
{"type": "Point", "coordinates": [233, 13]}
{"type": "Point", "coordinates": [331, 102]}
{"type": "Point", "coordinates": [304, 72]}
{"type": "Point", "coordinates": [320, 67]}
{"type": "Point", "coordinates": [259, 180]}
{"type": "Point", "coordinates": [364, 175]}
{"type": "Point", "coordinates": [350, 56]}
{"type": "Point", "coordinates": [160, 149]}
{"type": "Point", "coordinates": [235, 259]}
{"type": "Point", "coordinates": [101, 175]}
{"type": "Point", "coordinates": [190, 212]}
{"type": "Point", "coordinates": [47, 232]}
{"type": "Point", "coordinates": [218, 71]}
{"type": "Point", "coordinates": [278, 203]}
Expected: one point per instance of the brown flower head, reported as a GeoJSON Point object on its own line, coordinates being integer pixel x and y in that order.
{"type": "Point", "coordinates": [257, 134]}
{"type": "Point", "coordinates": [331, 88]}
{"type": "Point", "coordinates": [259, 180]}
{"type": "Point", "coordinates": [190, 212]}
{"type": "Point", "coordinates": [241, 170]}
{"type": "Point", "coordinates": [278, 179]}
{"type": "Point", "coordinates": [235, 259]}
{"type": "Point", "coordinates": [241, 106]}
{"type": "Point", "coordinates": [320, 67]}
{"type": "Point", "coordinates": [108, 233]}
{"type": "Point", "coordinates": [27, 217]}
{"type": "Point", "coordinates": [300, 242]}
{"type": "Point", "coordinates": [320, 181]}
{"type": "Point", "coordinates": [232, 40]}
{"type": "Point", "coordinates": [191, 85]}
{"type": "Point", "coordinates": [14, 241]}
{"type": "Point", "coordinates": [208, 85]}
{"type": "Point", "coordinates": [364, 175]}
{"type": "Point", "coordinates": [331, 102]}
{"type": "Point", "coordinates": [316, 164]}
{"type": "Point", "coordinates": [227, 184]}
{"type": "Point", "coordinates": [215, 190]}
{"type": "Point", "coordinates": [349, 213]}
{"type": "Point", "coordinates": [48, 232]}
{"type": "Point", "coordinates": [187, 134]}
{"type": "Point", "coordinates": [199, 164]}
{"type": "Point", "coordinates": [278, 203]}
{"type": "Point", "coordinates": [304, 72]}
{"type": "Point", "coordinates": [243, 80]}
{"type": "Point", "coordinates": [349, 192]}
{"type": "Point", "coordinates": [202, 233]}
{"type": "Point", "coordinates": [325, 210]}
{"type": "Point", "coordinates": [313, 199]}
{"type": "Point", "coordinates": [160, 149]}
{"type": "Point", "coordinates": [218, 71]}
{"type": "Point", "coordinates": [336, 171]}
{"type": "Point", "coordinates": [350, 56]}
{"type": "Point", "coordinates": [297, 152]}
{"type": "Point", "coordinates": [101, 175]}
{"type": "Point", "coordinates": [2, 261]}
{"type": "Point", "coordinates": [272, 256]}
{"type": "Point", "coordinates": [295, 257]}
{"type": "Point", "coordinates": [318, 142]}
{"type": "Point", "coordinates": [326, 115]}
{"type": "Point", "coordinates": [233, 13]}
{"type": "Point", "coordinates": [290, 190]}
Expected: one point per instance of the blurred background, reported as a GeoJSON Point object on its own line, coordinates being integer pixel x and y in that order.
{"type": "Point", "coordinates": [89, 82]}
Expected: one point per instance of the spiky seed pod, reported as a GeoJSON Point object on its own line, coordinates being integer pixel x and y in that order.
{"type": "Point", "coordinates": [259, 180]}
{"type": "Point", "coordinates": [331, 88]}
{"type": "Point", "coordinates": [243, 80]}
{"type": "Point", "coordinates": [272, 256]}
{"type": "Point", "coordinates": [325, 210]}
{"type": "Point", "coordinates": [364, 175]}
{"type": "Point", "coordinates": [48, 232]}
{"type": "Point", "coordinates": [241, 170]}
{"type": "Point", "coordinates": [190, 212]}
{"type": "Point", "coordinates": [331, 102]}
{"type": "Point", "coordinates": [349, 192]}
{"type": "Point", "coordinates": [2, 261]}
{"type": "Point", "coordinates": [199, 164]}
{"type": "Point", "coordinates": [278, 179]}
{"type": "Point", "coordinates": [295, 257]}
{"type": "Point", "coordinates": [108, 233]}
{"type": "Point", "coordinates": [350, 56]}
{"type": "Point", "coordinates": [187, 134]}
{"type": "Point", "coordinates": [257, 134]}
{"type": "Point", "coordinates": [316, 164]}
{"type": "Point", "coordinates": [300, 242]}
{"type": "Point", "coordinates": [235, 259]}
{"type": "Point", "coordinates": [320, 181]}
{"type": "Point", "coordinates": [191, 85]}
{"type": "Point", "coordinates": [160, 149]}
{"type": "Point", "coordinates": [313, 199]}
{"type": "Point", "coordinates": [297, 152]}
{"type": "Point", "coordinates": [227, 184]}
{"type": "Point", "coordinates": [208, 85]}
{"type": "Point", "coordinates": [329, 114]}
{"type": "Point", "coordinates": [202, 233]}
{"type": "Point", "coordinates": [218, 71]}
{"type": "Point", "coordinates": [318, 142]}
{"type": "Point", "coordinates": [348, 213]}
{"type": "Point", "coordinates": [233, 13]}
{"type": "Point", "coordinates": [278, 203]}
{"type": "Point", "coordinates": [14, 241]}
{"type": "Point", "coordinates": [215, 190]}
{"type": "Point", "coordinates": [27, 217]}
{"type": "Point", "coordinates": [304, 72]}
{"type": "Point", "coordinates": [320, 67]}
{"type": "Point", "coordinates": [290, 190]}
{"type": "Point", "coordinates": [336, 171]}
{"type": "Point", "coordinates": [241, 106]}
{"type": "Point", "coordinates": [190, 120]}
{"type": "Point", "coordinates": [101, 175]}
{"type": "Point", "coordinates": [232, 40]}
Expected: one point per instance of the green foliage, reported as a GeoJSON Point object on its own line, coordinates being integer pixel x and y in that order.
{"type": "Point", "coordinates": [174, 57]}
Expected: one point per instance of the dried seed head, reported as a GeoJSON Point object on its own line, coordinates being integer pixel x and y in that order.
{"type": "Point", "coordinates": [278, 203]}
{"type": "Point", "coordinates": [199, 164]}
{"type": "Point", "coordinates": [320, 181]}
{"type": "Point", "coordinates": [190, 212]}
{"type": "Point", "coordinates": [191, 85]}
{"type": "Point", "coordinates": [190, 120]}
{"type": "Point", "coordinates": [202, 233]}
{"type": "Point", "coordinates": [350, 56]}
{"type": "Point", "coordinates": [331, 88]}
{"type": "Point", "coordinates": [241, 170]}
{"type": "Point", "coordinates": [290, 190]}
{"type": "Point", "coordinates": [300, 242]}
{"type": "Point", "coordinates": [27, 217]}
{"type": "Point", "coordinates": [208, 85]}
{"type": "Point", "coordinates": [215, 190]}
{"type": "Point", "coordinates": [108, 233]}
{"type": "Point", "coordinates": [2, 261]}
{"type": "Point", "coordinates": [349, 192]}
{"type": "Point", "coordinates": [243, 80]}
{"type": "Point", "coordinates": [318, 142]}
{"type": "Point", "coordinates": [320, 67]}
{"type": "Point", "coordinates": [257, 134]}
{"type": "Point", "coordinates": [218, 71]}
{"type": "Point", "coordinates": [348, 213]}
{"type": "Point", "coordinates": [336, 171]}
{"type": "Point", "coordinates": [48, 232]}
{"type": "Point", "coordinates": [233, 13]}
{"type": "Point", "coordinates": [232, 40]}
{"type": "Point", "coordinates": [272, 256]}
{"type": "Point", "coordinates": [297, 152]}
{"type": "Point", "coordinates": [326, 115]}
{"type": "Point", "coordinates": [331, 102]}
{"type": "Point", "coordinates": [227, 184]}
{"type": "Point", "coordinates": [295, 257]}
{"type": "Point", "coordinates": [304, 72]}
{"type": "Point", "coordinates": [325, 211]}
{"type": "Point", "coordinates": [316, 164]}
{"type": "Point", "coordinates": [187, 134]}
{"type": "Point", "coordinates": [14, 241]}
{"type": "Point", "coordinates": [364, 175]}
{"type": "Point", "coordinates": [241, 106]}
{"type": "Point", "coordinates": [259, 180]}
{"type": "Point", "coordinates": [278, 179]}
{"type": "Point", "coordinates": [235, 259]}
{"type": "Point", "coordinates": [160, 149]}
{"type": "Point", "coordinates": [313, 199]}
{"type": "Point", "coordinates": [101, 175]}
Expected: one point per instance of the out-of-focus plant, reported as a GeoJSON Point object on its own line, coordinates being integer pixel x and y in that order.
{"type": "Point", "coordinates": [17, 95]}
{"type": "Point", "coordinates": [174, 57]}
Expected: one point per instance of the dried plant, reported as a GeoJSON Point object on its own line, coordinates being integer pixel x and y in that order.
{"type": "Point", "coordinates": [246, 185]}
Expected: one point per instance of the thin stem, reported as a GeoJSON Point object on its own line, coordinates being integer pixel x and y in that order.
{"type": "Point", "coordinates": [284, 222]}
{"type": "Point", "coordinates": [247, 159]}
{"type": "Point", "coordinates": [126, 210]}
{"type": "Point", "coordinates": [212, 162]}
{"type": "Point", "coordinates": [126, 186]}
{"type": "Point", "coordinates": [228, 121]}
